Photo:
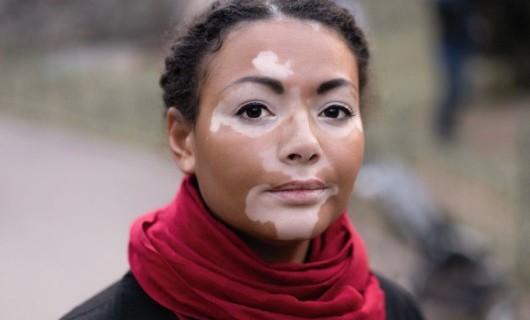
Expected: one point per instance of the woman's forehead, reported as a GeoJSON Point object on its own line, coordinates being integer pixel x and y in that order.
{"type": "Point", "coordinates": [279, 48]}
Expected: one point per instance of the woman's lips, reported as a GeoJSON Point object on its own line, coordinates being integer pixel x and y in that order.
{"type": "Point", "coordinates": [300, 192]}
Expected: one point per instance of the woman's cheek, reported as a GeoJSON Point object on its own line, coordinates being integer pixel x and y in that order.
{"type": "Point", "coordinates": [343, 129]}
{"type": "Point", "coordinates": [347, 159]}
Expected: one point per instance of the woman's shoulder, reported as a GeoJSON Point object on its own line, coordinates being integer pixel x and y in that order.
{"type": "Point", "coordinates": [124, 299]}
{"type": "Point", "coordinates": [399, 303]}
{"type": "Point", "coordinates": [104, 305]}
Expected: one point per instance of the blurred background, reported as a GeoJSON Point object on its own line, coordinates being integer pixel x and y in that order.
{"type": "Point", "coordinates": [442, 202]}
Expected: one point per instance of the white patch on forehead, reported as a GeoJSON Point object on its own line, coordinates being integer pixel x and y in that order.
{"type": "Point", "coordinates": [314, 25]}
{"type": "Point", "coordinates": [291, 223]}
{"type": "Point", "coordinates": [268, 62]}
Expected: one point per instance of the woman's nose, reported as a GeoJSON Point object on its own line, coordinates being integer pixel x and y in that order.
{"type": "Point", "coordinates": [299, 143]}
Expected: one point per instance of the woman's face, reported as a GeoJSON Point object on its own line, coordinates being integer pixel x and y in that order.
{"type": "Point", "coordinates": [279, 140]}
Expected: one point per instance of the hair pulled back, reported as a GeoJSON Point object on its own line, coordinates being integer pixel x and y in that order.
{"type": "Point", "coordinates": [183, 72]}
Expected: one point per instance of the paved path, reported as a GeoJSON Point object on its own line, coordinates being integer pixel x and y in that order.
{"type": "Point", "coordinates": [66, 203]}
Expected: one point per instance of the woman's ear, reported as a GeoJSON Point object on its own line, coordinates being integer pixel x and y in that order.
{"type": "Point", "coordinates": [181, 140]}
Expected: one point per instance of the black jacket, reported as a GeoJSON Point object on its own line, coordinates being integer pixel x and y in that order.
{"type": "Point", "coordinates": [125, 300]}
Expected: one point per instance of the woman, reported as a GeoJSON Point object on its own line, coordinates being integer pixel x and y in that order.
{"type": "Point", "coordinates": [263, 115]}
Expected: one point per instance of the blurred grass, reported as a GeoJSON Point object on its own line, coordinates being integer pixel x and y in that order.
{"type": "Point", "coordinates": [108, 90]}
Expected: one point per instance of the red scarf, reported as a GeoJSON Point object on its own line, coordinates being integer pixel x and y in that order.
{"type": "Point", "coordinates": [193, 264]}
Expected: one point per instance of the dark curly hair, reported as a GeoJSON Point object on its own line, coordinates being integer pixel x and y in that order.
{"type": "Point", "coordinates": [184, 68]}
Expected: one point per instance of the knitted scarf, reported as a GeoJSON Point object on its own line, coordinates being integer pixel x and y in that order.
{"type": "Point", "coordinates": [191, 263]}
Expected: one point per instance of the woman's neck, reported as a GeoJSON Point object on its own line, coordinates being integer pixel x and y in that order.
{"type": "Point", "coordinates": [282, 252]}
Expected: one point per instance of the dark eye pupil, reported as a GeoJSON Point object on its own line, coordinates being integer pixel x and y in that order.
{"type": "Point", "coordinates": [253, 112]}
{"type": "Point", "coordinates": [332, 112]}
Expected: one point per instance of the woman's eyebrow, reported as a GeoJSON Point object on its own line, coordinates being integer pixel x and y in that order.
{"type": "Point", "coordinates": [273, 84]}
{"type": "Point", "coordinates": [334, 83]}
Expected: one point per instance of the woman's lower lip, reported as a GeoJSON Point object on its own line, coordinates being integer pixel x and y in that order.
{"type": "Point", "coordinates": [299, 197]}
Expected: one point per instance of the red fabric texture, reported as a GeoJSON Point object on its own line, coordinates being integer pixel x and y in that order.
{"type": "Point", "coordinates": [193, 264]}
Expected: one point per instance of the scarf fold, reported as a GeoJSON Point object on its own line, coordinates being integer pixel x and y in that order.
{"type": "Point", "coordinates": [193, 264]}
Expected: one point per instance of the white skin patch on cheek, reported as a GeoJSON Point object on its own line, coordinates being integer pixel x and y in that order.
{"type": "Point", "coordinates": [355, 126]}
{"type": "Point", "coordinates": [359, 124]}
{"type": "Point", "coordinates": [221, 118]}
{"type": "Point", "coordinates": [290, 222]}
{"type": "Point", "coordinates": [217, 119]}
{"type": "Point", "coordinates": [268, 62]}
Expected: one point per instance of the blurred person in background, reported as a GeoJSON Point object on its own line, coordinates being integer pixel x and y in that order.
{"type": "Point", "coordinates": [454, 19]}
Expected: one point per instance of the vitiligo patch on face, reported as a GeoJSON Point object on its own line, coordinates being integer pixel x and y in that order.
{"type": "Point", "coordinates": [314, 25]}
{"type": "Point", "coordinates": [268, 62]}
{"type": "Point", "coordinates": [219, 118]}
{"type": "Point", "coordinates": [354, 126]}
{"type": "Point", "coordinates": [290, 222]}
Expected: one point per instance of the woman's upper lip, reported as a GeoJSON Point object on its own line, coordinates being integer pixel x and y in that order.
{"type": "Point", "coordinates": [312, 184]}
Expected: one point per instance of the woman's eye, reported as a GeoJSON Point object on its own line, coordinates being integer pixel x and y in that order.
{"type": "Point", "coordinates": [337, 111]}
{"type": "Point", "coordinates": [253, 110]}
